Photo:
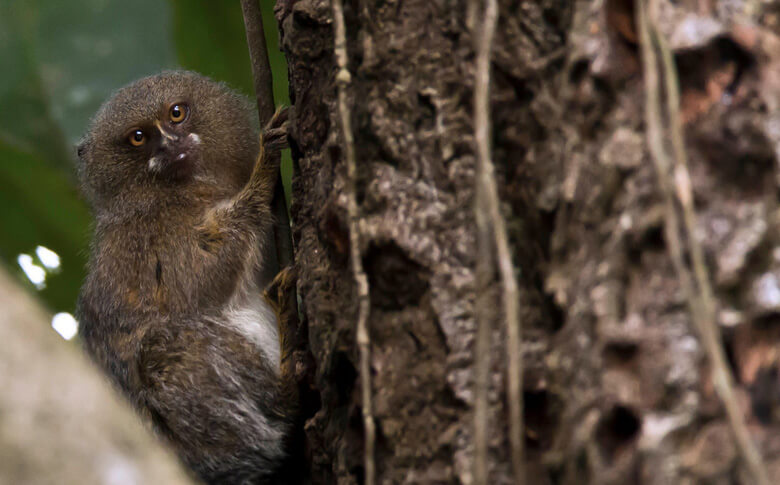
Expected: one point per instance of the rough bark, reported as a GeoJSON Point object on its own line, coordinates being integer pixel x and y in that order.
{"type": "Point", "coordinates": [60, 421]}
{"type": "Point", "coordinates": [617, 388]}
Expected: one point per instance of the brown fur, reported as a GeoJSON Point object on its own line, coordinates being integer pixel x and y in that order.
{"type": "Point", "coordinates": [175, 250]}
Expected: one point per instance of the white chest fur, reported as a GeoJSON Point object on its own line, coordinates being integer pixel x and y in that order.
{"type": "Point", "coordinates": [253, 317]}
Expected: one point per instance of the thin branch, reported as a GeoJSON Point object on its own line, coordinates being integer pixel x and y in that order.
{"type": "Point", "coordinates": [674, 178]}
{"type": "Point", "coordinates": [258, 53]}
{"type": "Point", "coordinates": [343, 80]}
{"type": "Point", "coordinates": [485, 312]}
{"type": "Point", "coordinates": [263, 78]}
{"type": "Point", "coordinates": [488, 206]}
{"type": "Point", "coordinates": [722, 377]}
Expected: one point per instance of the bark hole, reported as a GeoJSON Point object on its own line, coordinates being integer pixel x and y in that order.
{"type": "Point", "coordinates": [541, 412]}
{"type": "Point", "coordinates": [698, 67]}
{"type": "Point", "coordinates": [426, 113]}
{"type": "Point", "coordinates": [620, 354]}
{"type": "Point", "coordinates": [765, 395]}
{"type": "Point", "coordinates": [621, 19]}
{"type": "Point", "coordinates": [616, 430]}
{"type": "Point", "coordinates": [556, 318]}
{"type": "Point", "coordinates": [344, 375]}
{"type": "Point", "coordinates": [396, 281]}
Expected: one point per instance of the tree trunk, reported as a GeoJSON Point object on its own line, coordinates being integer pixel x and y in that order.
{"type": "Point", "coordinates": [617, 385]}
{"type": "Point", "coordinates": [60, 421]}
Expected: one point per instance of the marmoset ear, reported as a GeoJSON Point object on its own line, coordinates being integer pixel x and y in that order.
{"type": "Point", "coordinates": [81, 149]}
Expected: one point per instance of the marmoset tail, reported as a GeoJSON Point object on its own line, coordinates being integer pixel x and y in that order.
{"type": "Point", "coordinates": [172, 307]}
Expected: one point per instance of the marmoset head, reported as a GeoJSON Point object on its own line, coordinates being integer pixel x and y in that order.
{"type": "Point", "coordinates": [166, 132]}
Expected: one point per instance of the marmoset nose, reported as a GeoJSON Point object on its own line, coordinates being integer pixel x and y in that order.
{"type": "Point", "coordinates": [173, 146]}
{"type": "Point", "coordinates": [169, 140]}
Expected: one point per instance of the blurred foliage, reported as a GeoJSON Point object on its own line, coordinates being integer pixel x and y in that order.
{"type": "Point", "coordinates": [60, 61]}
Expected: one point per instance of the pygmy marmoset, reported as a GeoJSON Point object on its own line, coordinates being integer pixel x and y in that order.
{"type": "Point", "coordinates": [172, 306]}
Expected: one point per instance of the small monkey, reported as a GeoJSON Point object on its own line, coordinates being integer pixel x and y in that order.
{"type": "Point", "coordinates": [172, 308]}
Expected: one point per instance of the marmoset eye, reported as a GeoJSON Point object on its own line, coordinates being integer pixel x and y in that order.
{"type": "Point", "coordinates": [137, 138]}
{"type": "Point", "coordinates": [178, 113]}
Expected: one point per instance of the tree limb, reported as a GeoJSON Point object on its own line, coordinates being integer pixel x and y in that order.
{"type": "Point", "coordinates": [263, 78]}
{"type": "Point", "coordinates": [258, 53]}
{"type": "Point", "coordinates": [61, 421]}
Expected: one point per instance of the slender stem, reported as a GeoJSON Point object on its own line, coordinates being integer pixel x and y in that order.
{"type": "Point", "coordinates": [343, 80]}
{"type": "Point", "coordinates": [258, 54]}
{"type": "Point", "coordinates": [674, 179]}
{"type": "Point", "coordinates": [490, 220]}
{"type": "Point", "coordinates": [485, 313]}
{"type": "Point", "coordinates": [261, 72]}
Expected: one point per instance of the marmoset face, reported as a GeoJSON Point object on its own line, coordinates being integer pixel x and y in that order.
{"type": "Point", "coordinates": [168, 131]}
